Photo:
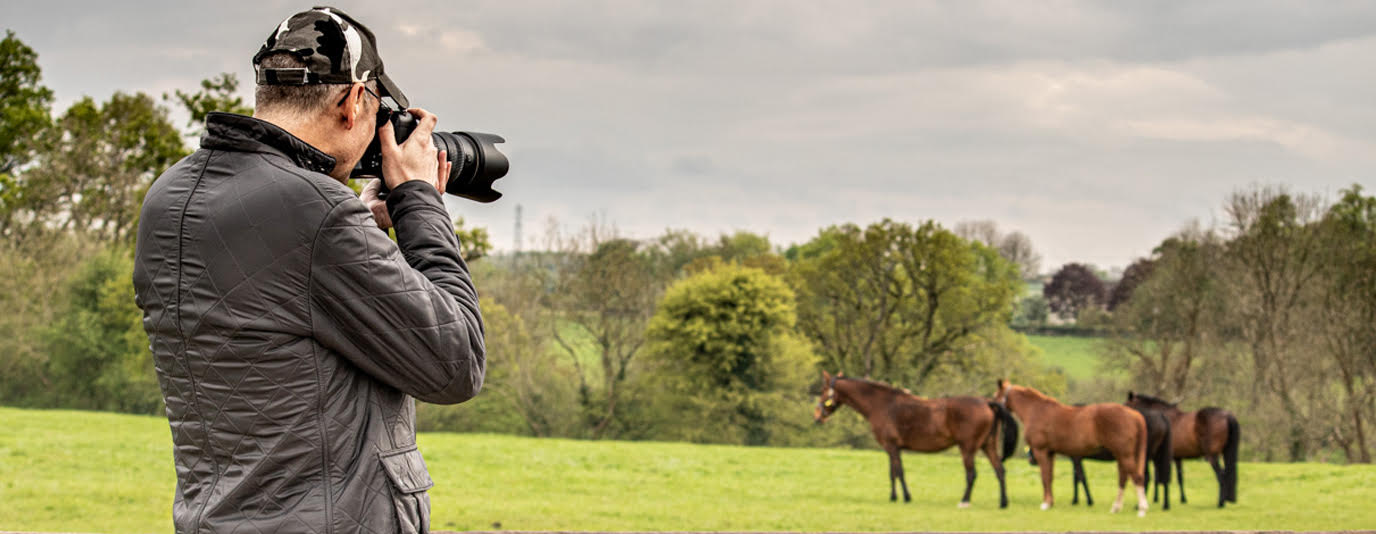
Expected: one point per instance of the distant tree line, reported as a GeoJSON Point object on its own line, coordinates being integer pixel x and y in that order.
{"type": "Point", "coordinates": [1271, 314]}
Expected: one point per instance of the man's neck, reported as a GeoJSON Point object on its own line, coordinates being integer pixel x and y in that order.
{"type": "Point", "coordinates": [312, 131]}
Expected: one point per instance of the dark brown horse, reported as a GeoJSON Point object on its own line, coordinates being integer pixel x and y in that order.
{"type": "Point", "coordinates": [1079, 431]}
{"type": "Point", "coordinates": [1206, 433]}
{"type": "Point", "coordinates": [901, 420]}
{"type": "Point", "coordinates": [1158, 456]}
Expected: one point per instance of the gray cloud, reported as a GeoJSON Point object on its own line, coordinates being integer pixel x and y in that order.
{"type": "Point", "coordinates": [1097, 128]}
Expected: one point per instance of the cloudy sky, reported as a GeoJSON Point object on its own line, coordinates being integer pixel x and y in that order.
{"type": "Point", "coordinates": [1097, 128]}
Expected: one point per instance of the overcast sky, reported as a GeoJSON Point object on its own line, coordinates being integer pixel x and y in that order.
{"type": "Point", "coordinates": [1096, 128]}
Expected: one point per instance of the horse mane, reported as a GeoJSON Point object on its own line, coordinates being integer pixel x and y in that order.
{"type": "Point", "coordinates": [1151, 399]}
{"type": "Point", "coordinates": [885, 385]}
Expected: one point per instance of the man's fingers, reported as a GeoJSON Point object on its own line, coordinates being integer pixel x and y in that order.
{"type": "Point", "coordinates": [442, 181]}
{"type": "Point", "coordinates": [387, 138]}
{"type": "Point", "coordinates": [427, 123]}
{"type": "Point", "coordinates": [370, 190]}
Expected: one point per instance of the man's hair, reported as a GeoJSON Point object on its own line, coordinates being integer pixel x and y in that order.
{"type": "Point", "coordinates": [306, 99]}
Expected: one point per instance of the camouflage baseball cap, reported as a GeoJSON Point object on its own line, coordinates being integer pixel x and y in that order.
{"type": "Point", "coordinates": [335, 49]}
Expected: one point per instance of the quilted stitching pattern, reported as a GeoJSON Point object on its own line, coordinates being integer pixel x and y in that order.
{"type": "Point", "coordinates": [289, 335]}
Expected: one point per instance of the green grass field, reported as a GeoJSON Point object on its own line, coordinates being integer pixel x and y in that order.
{"type": "Point", "coordinates": [95, 472]}
{"type": "Point", "coordinates": [1076, 355]}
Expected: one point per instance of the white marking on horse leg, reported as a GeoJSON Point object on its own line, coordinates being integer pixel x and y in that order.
{"type": "Point", "coordinates": [1141, 501]}
{"type": "Point", "coordinates": [1117, 503]}
{"type": "Point", "coordinates": [1046, 505]}
{"type": "Point", "coordinates": [963, 504]}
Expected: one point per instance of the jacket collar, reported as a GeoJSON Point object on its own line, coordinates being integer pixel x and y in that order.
{"type": "Point", "coordinates": [228, 131]}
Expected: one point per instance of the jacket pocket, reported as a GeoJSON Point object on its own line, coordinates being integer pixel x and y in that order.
{"type": "Point", "coordinates": [406, 469]}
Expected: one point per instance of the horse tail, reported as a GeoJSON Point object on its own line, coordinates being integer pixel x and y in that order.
{"type": "Point", "coordinates": [1230, 458]}
{"type": "Point", "coordinates": [1142, 450]}
{"type": "Point", "coordinates": [1010, 428]}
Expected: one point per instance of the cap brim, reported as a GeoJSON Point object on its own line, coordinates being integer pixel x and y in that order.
{"type": "Point", "coordinates": [390, 89]}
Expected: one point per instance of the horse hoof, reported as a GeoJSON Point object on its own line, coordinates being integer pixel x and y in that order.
{"type": "Point", "coordinates": [1141, 513]}
{"type": "Point", "coordinates": [1046, 506]}
{"type": "Point", "coordinates": [963, 505]}
{"type": "Point", "coordinates": [1115, 509]}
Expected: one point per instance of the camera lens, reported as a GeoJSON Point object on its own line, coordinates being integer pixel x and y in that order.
{"type": "Point", "coordinates": [477, 163]}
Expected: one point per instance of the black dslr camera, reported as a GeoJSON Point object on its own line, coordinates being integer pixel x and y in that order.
{"type": "Point", "coordinates": [477, 162]}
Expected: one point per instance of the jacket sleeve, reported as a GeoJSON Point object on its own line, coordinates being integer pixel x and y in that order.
{"type": "Point", "coordinates": [407, 316]}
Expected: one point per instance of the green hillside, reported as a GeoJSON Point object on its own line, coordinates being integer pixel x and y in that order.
{"type": "Point", "coordinates": [95, 472]}
{"type": "Point", "coordinates": [1076, 355]}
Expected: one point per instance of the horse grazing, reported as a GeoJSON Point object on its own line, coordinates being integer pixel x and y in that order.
{"type": "Point", "coordinates": [1079, 431]}
{"type": "Point", "coordinates": [901, 420]}
{"type": "Point", "coordinates": [1209, 432]}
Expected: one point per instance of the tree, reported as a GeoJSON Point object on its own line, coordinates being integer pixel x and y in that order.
{"type": "Point", "coordinates": [1171, 324]}
{"type": "Point", "coordinates": [1347, 310]}
{"type": "Point", "coordinates": [894, 302]}
{"type": "Point", "coordinates": [1136, 273]}
{"type": "Point", "coordinates": [24, 116]}
{"type": "Point", "coordinates": [98, 350]}
{"type": "Point", "coordinates": [474, 242]}
{"type": "Point", "coordinates": [93, 168]}
{"type": "Point", "coordinates": [1015, 247]}
{"type": "Point", "coordinates": [603, 293]}
{"type": "Point", "coordinates": [24, 103]}
{"type": "Point", "coordinates": [1273, 258]}
{"type": "Point", "coordinates": [723, 341]}
{"type": "Point", "coordinates": [1073, 288]}
{"type": "Point", "coordinates": [216, 94]}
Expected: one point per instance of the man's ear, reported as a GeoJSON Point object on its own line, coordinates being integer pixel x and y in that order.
{"type": "Point", "coordinates": [354, 105]}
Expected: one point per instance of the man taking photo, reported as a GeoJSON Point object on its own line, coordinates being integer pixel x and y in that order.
{"type": "Point", "coordinates": [290, 335]}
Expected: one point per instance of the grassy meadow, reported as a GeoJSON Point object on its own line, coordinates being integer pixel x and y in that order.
{"type": "Point", "coordinates": [97, 472]}
{"type": "Point", "coordinates": [1077, 356]}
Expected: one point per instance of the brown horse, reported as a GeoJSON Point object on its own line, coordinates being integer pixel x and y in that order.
{"type": "Point", "coordinates": [901, 420]}
{"type": "Point", "coordinates": [1209, 432]}
{"type": "Point", "coordinates": [1078, 431]}
{"type": "Point", "coordinates": [1158, 455]}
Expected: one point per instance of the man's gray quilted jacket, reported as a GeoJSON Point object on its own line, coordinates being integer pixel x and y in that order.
{"type": "Point", "coordinates": [290, 335]}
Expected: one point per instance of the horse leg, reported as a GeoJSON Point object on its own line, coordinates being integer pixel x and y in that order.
{"type": "Point", "coordinates": [1084, 481]}
{"type": "Point", "coordinates": [1180, 478]}
{"type": "Point", "coordinates": [1046, 460]}
{"type": "Point", "coordinates": [1077, 471]}
{"type": "Point", "coordinates": [991, 450]}
{"type": "Point", "coordinates": [1141, 483]}
{"type": "Point", "coordinates": [1222, 484]}
{"type": "Point", "coordinates": [1122, 482]}
{"type": "Point", "coordinates": [903, 479]}
{"type": "Point", "coordinates": [1163, 478]}
{"type": "Point", "coordinates": [967, 457]}
{"type": "Point", "coordinates": [894, 462]}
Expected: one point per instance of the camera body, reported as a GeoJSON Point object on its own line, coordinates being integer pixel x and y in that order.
{"type": "Point", "coordinates": [477, 162]}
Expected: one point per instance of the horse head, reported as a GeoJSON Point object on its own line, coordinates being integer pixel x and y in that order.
{"type": "Point", "coordinates": [1001, 396]}
{"type": "Point", "coordinates": [827, 402]}
{"type": "Point", "coordinates": [1147, 402]}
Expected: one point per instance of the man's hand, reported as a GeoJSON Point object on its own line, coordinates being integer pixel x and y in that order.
{"type": "Point", "coordinates": [376, 205]}
{"type": "Point", "coordinates": [415, 159]}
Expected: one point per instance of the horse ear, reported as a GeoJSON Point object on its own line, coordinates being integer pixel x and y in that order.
{"type": "Point", "coordinates": [826, 377]}
{"type": "Point", "coordinates": [1003, 383]}
{"type": "Point", "coordinates": [1130, 396]}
